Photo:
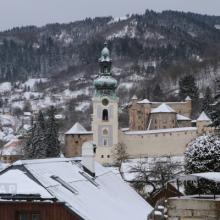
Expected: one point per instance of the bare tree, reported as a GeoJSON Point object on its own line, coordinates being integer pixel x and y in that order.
{"type": "Point", "coordinates": [142, 177]}
{"type": "Point", "coordinates": [120, 154]}
{"type": "Point", "coordinates": [153, 175]}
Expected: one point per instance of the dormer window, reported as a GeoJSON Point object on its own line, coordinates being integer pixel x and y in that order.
{"type": "Point", "coordinates": [105, 115]}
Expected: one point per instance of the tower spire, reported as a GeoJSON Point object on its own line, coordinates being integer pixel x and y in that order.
{"type": "Point", "coordinates": [105, 84]}
{"type": "Point", "coordinates": [105, 61]}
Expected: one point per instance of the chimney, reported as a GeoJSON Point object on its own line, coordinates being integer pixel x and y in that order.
{"type": "Point", "coordinates": [88, 158]}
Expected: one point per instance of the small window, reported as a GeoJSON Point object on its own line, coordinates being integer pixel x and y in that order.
{"type": "Point", "coordinates": [102, 156]}
{"type": "Point", "coordinates": [105, 132]}
{"type": "Point", "coordinates": [35, 216]}
{"type": "Point", "coordinates": [22, 216]}
{"type": "Point", "coordinates": [28, 216]}
{"type": "Point", "coordinates": [76, 142]}
{"type": "Point", "coordinates": [105, 115]}
{"type": "Point", "coordinates": [108, 156]}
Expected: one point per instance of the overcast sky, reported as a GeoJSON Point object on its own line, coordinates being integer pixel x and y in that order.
{"type": "Point", "coordinates": [40, 12]}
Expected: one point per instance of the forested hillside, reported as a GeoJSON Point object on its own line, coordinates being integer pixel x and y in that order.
{"type": "Point", "coordinates": [149, 51]}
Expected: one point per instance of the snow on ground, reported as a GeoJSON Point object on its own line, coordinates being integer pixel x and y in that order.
{"type": "Point", "coordinates": [74, 94]}
{"type": "Point", "coordinates": [116, 71]}
{"type": "Point", "coordinates": [5, 136]}
{"type": "Point", "coordinates": [83, 106]}
{"type": "Point", "coordinates": [153, 35]}
{"type": "Point", "coordinates": [217, 26]}
{"type": "Point", "coordinates": [41, 104]}
{"type": "Point", "coordinates": [7, 120]}
{"type": "Point", "coordinates": [115, 20]}
{"type": "Point", "coordinates": [135, 77]}
{"type": "Point", "coordinates": [18, 104]}
{"type": "Point", "coordinates": [31, 95]}
{"type": "Point", "coordinates": [31, 82]}
{"type": "Point", "coordinates": [5, 87]}
{"type": "Point", "coordinates": [127, 85]}
{"type": "Point", "coordinates": [129, 31]}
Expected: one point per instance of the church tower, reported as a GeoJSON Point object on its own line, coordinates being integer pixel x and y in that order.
{"type": "Point", "coordinates": [105, 110]}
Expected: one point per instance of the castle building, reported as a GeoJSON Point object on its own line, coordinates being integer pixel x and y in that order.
{"type": "Point", "coordinates": [146, 115]}
{"type": "Point", "coordinates": [74, 139]}
{"type": "Point", "coordinates": [155, 128]}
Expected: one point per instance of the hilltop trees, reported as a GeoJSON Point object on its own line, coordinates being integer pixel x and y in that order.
{"type": "Point", "coordinates": [158, 94]}
{"type": "Point", "coordinates": [53, 145]}
{"type": "Point", "coordinates": [215, 113]}
{"type": "Point", "coordinates": [188, 87]}
{"type": "Point", "coordinates": [207, 101]}
{"type": "Point", "coordinates": [42, 141]}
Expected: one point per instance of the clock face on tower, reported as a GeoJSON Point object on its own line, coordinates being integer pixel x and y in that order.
{"type": "Point", "coordinates": [105, 102]}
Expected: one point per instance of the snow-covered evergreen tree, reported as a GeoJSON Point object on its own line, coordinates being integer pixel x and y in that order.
{"type": "Point", "coordinates": [41, 120]}
{"type": "Point", "coordinates": [207, 101]}
{"type": "Point", "coordinates": [52, 141]}
{"type": "Point", "coordinates": [203, 155]}
{"type": "Point", "coordinates": [39, 146]}
{"type": "Point", "coordinates": [215, 113]}
{"type": "Point", "coordinates": [188, 87]}
{"type": "Point", "coordinates": [28, 147]}
{"type": "Point", "coordinates": [35, 146]}
{"type": "Point", "coordinates": [158, 94]}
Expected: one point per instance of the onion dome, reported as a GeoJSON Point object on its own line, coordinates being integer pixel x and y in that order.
{"type": "Point", "coordinates": [105, 84]}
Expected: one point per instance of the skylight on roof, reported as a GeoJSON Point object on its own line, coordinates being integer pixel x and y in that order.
{"type": "Point", "coordinates": [90, 179]}
{"type": "Point", "coordinates": [65, 184]}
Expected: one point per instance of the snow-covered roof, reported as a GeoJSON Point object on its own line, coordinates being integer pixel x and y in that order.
{"type": "Point", "coordinates": [203, 117]}
{"type": "Point", "coordinates": [144, 101]}
{"type": "Point", "coordinates": [182, 118]}
{"type": "Point", "coordinates": [134, 97]}
{"type": "Point", "coordinates": [188, 98]}
{"type": "Point", "coordinates": [168, 130]}
{"type": "Point", "coordinates": [78, 129]}
{"type": "Point", "coordinates": [89, 198]}
{"type": "Point", "coordinates": [20, 183]}
{"type": "Point", "coordinates": [163, 108]}
{"type": "Point", "coordinates": [5, 87]}
{"type": "Point", "coordinates": [213, 176]}
{"type": "Point", "coordinates": [13, 147]}
{"type": "Point", "coordinates": [14, 142]}
{"type": "Point", "coordinates": [27, 114]}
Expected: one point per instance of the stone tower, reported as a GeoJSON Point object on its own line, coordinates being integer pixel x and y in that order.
{"type": "Point", "coordinates": [105, 110]}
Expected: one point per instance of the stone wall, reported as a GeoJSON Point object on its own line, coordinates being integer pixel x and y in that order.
{"type": "Point", "coordinates": [191, 208]}
{"type": "Point", "coordinates": [153, 143]}
{"type": "Point", "coordinates": [162, 120]}
{"type": "Point", "coordinates": [73, 144]}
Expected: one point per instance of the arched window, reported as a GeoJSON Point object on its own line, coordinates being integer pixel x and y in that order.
{"type": "Point", "coordinates": [105, 115]}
